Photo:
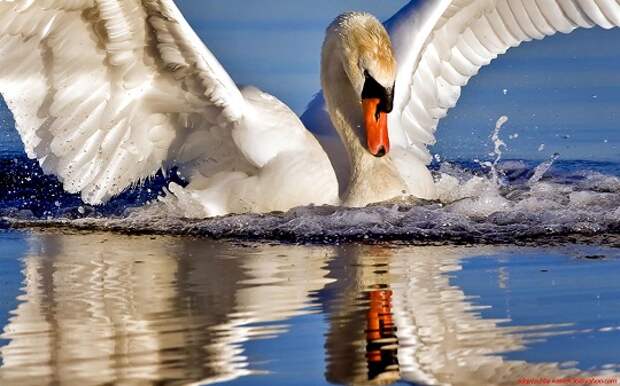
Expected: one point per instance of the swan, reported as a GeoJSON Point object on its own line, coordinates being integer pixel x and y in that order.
{"type": "Point", "coordinates": [105, 93]}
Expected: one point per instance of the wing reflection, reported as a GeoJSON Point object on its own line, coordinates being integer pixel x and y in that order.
{"type": "Point", "coordinates": [106, 309]}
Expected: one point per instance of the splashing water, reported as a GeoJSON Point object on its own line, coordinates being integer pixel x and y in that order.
{"type": "Point", "coordinates": [495, 201]}
{"type": "Point", "coordinates": [498, 144]}
{"type": "Point", "coordinates": [541, 169]}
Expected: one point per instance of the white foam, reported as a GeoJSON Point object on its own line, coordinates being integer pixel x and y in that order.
{"type": "Point", "coordinates": [497, 203]}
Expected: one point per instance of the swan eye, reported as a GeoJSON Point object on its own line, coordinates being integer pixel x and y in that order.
{"type": "Point", "coordinates": [374, 90]}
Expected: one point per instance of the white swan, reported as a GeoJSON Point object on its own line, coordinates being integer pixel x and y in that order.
{"type": "Point", "coordinates": [107, 92]}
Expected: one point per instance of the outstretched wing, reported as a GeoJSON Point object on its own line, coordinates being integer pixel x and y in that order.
{"type": "Point", "coordinates": [441, 44]}
{"type": "Point", "coordinates": [106, 92]}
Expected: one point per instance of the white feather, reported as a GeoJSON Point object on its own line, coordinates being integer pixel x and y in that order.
{"type": "Point", "coordinates": [107, 92]}
{"type": "Point", "coordinates": [468, 35]}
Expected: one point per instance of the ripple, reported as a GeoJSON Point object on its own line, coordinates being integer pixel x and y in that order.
{"type": "Point", "coordinates": [101, 308]}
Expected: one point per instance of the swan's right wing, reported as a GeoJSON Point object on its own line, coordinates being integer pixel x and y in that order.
{"type": "Point", "coordinates": [441, 44]}
{"type": "Point", "coordinates": [106, 92]}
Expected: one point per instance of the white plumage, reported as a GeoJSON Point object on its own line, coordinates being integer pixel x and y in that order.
{"type": "Point", "coordinates": [107, 92]}
{"type": "Point", "coordinates": [441, 44]}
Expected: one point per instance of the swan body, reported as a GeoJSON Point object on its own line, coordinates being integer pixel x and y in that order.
{"type": "Point", "coordinates": [106, 92]}
{"type": "Point", "coordinates": [287, 168]}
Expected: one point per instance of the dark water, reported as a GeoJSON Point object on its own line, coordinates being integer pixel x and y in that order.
{"type": "Point", "coordinates": [513, 201]}
{"type": "Point", "coordinates": [102, 309]}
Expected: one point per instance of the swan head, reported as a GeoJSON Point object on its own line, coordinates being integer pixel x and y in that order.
{"type": "Point", "coordinates": [369, 64]}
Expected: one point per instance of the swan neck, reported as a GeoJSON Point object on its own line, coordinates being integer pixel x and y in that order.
{"type": "Point", "coordinates": [371, 179]}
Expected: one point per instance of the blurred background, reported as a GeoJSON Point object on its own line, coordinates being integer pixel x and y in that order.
{"type": "Point", "coordinates": [561, 94]}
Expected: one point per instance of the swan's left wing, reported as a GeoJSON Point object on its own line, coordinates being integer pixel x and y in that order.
{"type": "Point", "coordinates": [441, 44]}
{"type": "Point", "coordinates": [106, 92]}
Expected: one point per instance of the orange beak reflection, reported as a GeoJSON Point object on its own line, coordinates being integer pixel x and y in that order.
{"type": "Point", "coordinates": [375, 123]}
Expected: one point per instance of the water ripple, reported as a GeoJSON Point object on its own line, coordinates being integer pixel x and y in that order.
{"type": "Point", "coordinates": [109, 309]}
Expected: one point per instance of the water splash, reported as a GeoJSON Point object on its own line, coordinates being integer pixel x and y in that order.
{"type": "Point", "coordinates": [541, 169]}
{"type": "Point", "coordinates": [574, 199]}
{"type": "Point", "coordinates": [498, 144]}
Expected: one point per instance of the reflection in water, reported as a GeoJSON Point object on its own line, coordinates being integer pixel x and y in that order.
{"type": "Point", "coordinates": [108, 309]}
{"type": "Point", "coordinates": [437, 334]}
{"type": "Point", "coordinates": [381, 339]}
{"type": "Point", "coordinates": [100, 309]}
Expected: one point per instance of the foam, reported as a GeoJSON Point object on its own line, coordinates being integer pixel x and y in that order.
{"type": "Point", "coordinates": [496, 201]}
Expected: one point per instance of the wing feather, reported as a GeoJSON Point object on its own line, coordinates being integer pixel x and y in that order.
{"type": "Point", "coordinates": [105, 92]}
{"type": "Point", "coordinates": [467, 34]}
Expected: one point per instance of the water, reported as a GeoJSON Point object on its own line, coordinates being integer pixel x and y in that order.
{"type": "Point", "coordinates": [511, 201]}
{"type": "Point", "coordinates": [492, 200]}
{"type": "Point", "coordinates": [101, 308]}
{"type": "Point", "coordinates": [509, 277]}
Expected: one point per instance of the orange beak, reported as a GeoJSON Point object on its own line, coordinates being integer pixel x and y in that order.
{"type": "Point", "coordinates": [375, 123]}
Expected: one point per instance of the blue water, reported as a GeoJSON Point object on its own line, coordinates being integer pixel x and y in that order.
{"type": "Point", "coordinates": [576, 286]}
{"type": "Point", "coordinates": [100, 308]}
{"type": "Point", "coordinates": [13, 249]}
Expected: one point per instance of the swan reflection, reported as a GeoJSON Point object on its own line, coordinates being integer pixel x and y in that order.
{"type": "Point", "coordinates": [399, 318]}
{"type": "Point", "coordinates": [102, 309]}
{"type": "Point", "coordinates": [108, 309]}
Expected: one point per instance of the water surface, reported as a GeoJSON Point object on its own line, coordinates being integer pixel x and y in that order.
{"type": "Point", "coordinates": [99, 308]}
